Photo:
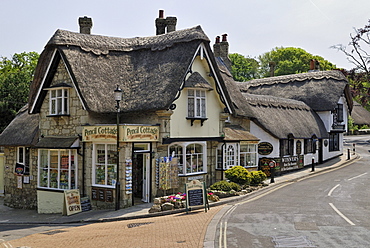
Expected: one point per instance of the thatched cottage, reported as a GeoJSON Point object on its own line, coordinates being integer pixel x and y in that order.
{"type": "Point", "coordinates": [181, 117]}
{"type": "Point", "coordinates": [171, 120]}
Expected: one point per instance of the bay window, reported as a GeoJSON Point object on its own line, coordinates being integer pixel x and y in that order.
{"type": "Point", "coordinates": [191, 157]}
{"type": "Point", "coordinates": [233, 154]}
{"type": "Point", "coordinates": [104, 165]}
{"type": "Point", "coordinates": [57, 168]}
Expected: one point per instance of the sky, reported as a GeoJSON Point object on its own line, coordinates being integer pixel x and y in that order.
{"type": "Point", "coordinates": [253, 27]}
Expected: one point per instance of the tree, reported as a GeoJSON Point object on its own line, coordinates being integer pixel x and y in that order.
{"type": "Point", "coordinates": [243, 68]}
{"type": "Point", "coordinates": [15, 77]}
{"type": "Point", "coordinates": [289, 60]}
{"type": "Point", "coordinates": [358, 53]}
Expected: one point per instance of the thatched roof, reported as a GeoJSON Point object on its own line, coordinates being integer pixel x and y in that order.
{"type": "Point", "coordinates": [360, 115]}
{"type": "Point", "coordinates": [319, 90]}
{"type": "Point", "coordinates": [237, 99]}
{"type": "Point", "coordinates": [237, 133]}
{"type": "Point", "coordinates": [22, 131]}
{"type": "Point", "coordinates": [149, 70]}
{"type": "Point", "coordinates": [281, 117]}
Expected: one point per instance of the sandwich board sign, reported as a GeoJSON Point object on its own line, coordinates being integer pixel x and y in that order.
{"type": "Point", "coordinates": [196, 195]}
{"type": "Point", "coordinates": [72, 202]}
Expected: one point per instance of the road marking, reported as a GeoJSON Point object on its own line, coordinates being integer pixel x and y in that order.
{"type": "Point", "coordinates": [222, 239]}
{"type": "Point", "coordinates": [341, 215]}
{"type": "Point", "coordinates": [331, 191]}
{"type": "Point", "coordinates": [357, 176]}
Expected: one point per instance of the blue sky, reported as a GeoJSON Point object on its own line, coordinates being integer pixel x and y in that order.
{"type": "Point", "coordinates": [253, 26]}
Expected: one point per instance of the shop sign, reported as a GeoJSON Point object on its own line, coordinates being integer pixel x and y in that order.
{"type": "Point", "coordinates": [128, 133]}
{"type": "Point", "coordinates": [99, 133]}
{"type": "Point", "coordinates": [134, 133]}
{"type": "Point", "coordinates": [265, 148]}
{"type": "Point", "coordinates": [196, 195]}
{"type": "Point", "coordinates": [72, 202]}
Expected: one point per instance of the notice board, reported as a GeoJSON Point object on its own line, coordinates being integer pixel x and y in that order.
{"type": "Point", "coordinates": [196, 195]}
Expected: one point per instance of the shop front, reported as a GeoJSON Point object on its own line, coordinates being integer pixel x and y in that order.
{"type": "Point", "coordinates": [136, 144]}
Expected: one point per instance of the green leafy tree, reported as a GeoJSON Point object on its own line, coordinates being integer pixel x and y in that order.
{"type": "Point", "coordinates": [15, 77]}
{"type": "Point", "coordinates": [243, 68]}
{"type": "Point", "coordinates": [289, 60]}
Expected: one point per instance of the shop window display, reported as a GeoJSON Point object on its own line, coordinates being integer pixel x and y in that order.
{"type": "Point", "coordinates": [57, 169]}
{"type": "Point", "coordinates": [105, 165]}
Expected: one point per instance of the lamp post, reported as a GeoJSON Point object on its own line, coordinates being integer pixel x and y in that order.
{"type": "Point", "coordinates": [118, 98]}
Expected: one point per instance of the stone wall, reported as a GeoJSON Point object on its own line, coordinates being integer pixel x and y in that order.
{"type": "Point", "coordinates": [24, 197]}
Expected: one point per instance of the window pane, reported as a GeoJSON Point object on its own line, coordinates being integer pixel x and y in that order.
{"type": "Point", "coordinates": [20, 155]}
{"type": "Point", "coordinates": [191, 107]}
{"type": "Point", "coordinates": [44, 168]}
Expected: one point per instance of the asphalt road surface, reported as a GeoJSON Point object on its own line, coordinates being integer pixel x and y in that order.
{"type": "Point", "coordinates": [330, 209]}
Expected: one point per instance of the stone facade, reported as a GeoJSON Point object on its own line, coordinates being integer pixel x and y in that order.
{"type": "Point", "coordinates": [15, 197]}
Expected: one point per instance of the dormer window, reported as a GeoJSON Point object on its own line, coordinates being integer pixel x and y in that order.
{"type": "Point", "coordinates": [59, 101]}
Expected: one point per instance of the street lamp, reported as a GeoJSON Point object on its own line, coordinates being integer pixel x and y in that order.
{"type": "Point", "coordinates": [118, 98]}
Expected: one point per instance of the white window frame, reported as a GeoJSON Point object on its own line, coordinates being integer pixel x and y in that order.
{"type": "Point", "coordinates": [230, 154]}
{"type": "Point", "coordinates": [47, 170]}
{"type": "Point", "coordinates": [197, 103]}
{"type": "Point", "coordinates": [106, 165]}
{"type": "Point", "coordinates": [59, 103]}
{"type": "Point", "coordinates": [24, 159]}
{"type": "Point", "coordinates": [250, 156]}
{"type": "Point", "coordinates": [182, 159]}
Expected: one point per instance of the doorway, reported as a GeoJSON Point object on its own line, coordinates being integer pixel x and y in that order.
{"type": "Point", "coordinates": [141, 173]}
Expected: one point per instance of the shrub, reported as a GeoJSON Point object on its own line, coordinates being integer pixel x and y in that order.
{"type": "Point", "coordinates": [238, 174]}
{"type": "Point", "coordinates": [257, 177]}
{"type": "Point", "coordinates": [225, 186]}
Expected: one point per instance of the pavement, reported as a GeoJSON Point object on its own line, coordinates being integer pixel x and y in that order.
{"type": "Point", "coordinates": [177, 223]}
{"type": "Point", "coordinates": [21, 216]}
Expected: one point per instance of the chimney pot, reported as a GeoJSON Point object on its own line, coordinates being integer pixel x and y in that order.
{"type": "Point", "coordinates": [85, 25]}
{"type": "Point", "coordinates": [161, 13]}
{"type": "Point", "coordinates": [217, 39]}
{"type": "Point", "coordinates": [224, 38]}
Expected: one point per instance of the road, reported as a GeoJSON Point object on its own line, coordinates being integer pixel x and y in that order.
{"type": "Point", "coordinates": [326, 210]}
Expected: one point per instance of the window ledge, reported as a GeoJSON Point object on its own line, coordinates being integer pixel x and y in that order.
{"type": "Point", "coordinates": [192, 174]}
{"type": "Point", "coordinates": [58, 115]}
{"type": "Point", "coordinates": [201, 119]}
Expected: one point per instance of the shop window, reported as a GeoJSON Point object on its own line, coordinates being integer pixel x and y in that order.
{"type": "Point", "coordinates": [57, 169]}
{"type": "Point", "coordinates": [232, 154]}
{"type": "Point", "coordinates": [104, 165]}
{"type": "Point", "coordinates": [23, 160]}
{"type": "Point", "coordinates": [191, 157]}
{"type": "Point", "coordinates": [59, 104]}
{"type": "Point", "coordinates": [196, 103]}
{"type": "Point", "coordinates": [333, 142]}
{"type": "Point", "coordinates": [248, 155]}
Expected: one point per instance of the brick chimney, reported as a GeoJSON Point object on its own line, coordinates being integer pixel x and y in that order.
{"type": "Point", "coordinates": [221, 49]}
{"type": "Point", "coordinates": [162, 24]}
{"type": "Point", "coordinates": [85, 25]}
{"type": "Point", "coordinates": [314, 65]}
{"type": "Point", "coordinates": [171, 22]}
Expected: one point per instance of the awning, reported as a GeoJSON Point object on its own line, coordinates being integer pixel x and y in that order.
{"type": "Point", "coordinates": [59, 142]}
{"type": "Point", "coordinates": [237, 133]}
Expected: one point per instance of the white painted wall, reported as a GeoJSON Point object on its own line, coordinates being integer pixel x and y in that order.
{"type": "Point", "coordinates": [180, 127]}
{"type": "Point", "coordinates": [50, 202]}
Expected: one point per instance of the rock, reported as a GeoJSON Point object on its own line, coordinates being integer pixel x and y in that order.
{"type": "Point", "coordinates": [167, 206]}
{"type": "Point", "coordinates": [157, 201]}
{"type": "Point", "coordinates": [155, 208]}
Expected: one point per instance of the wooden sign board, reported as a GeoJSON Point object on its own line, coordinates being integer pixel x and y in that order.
{"type": "Point", "coordinates": [72, 202]}
{"type": "Point", "coordinates": [196, 195]}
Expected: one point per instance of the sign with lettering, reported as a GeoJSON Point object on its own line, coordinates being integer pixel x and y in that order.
{"type": "Point", "coordinates": [265, 148]}
{"type": "Point", "coordinates": [196, 194]}
{"type": "Point", "coordinates": [72, 202]}
{"type": "Point", "coordinates": [135, 133]}
{"type": "Point", "coordinates": [128, 133]}
{"type": "Point", "coordinates": [99, 133]}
